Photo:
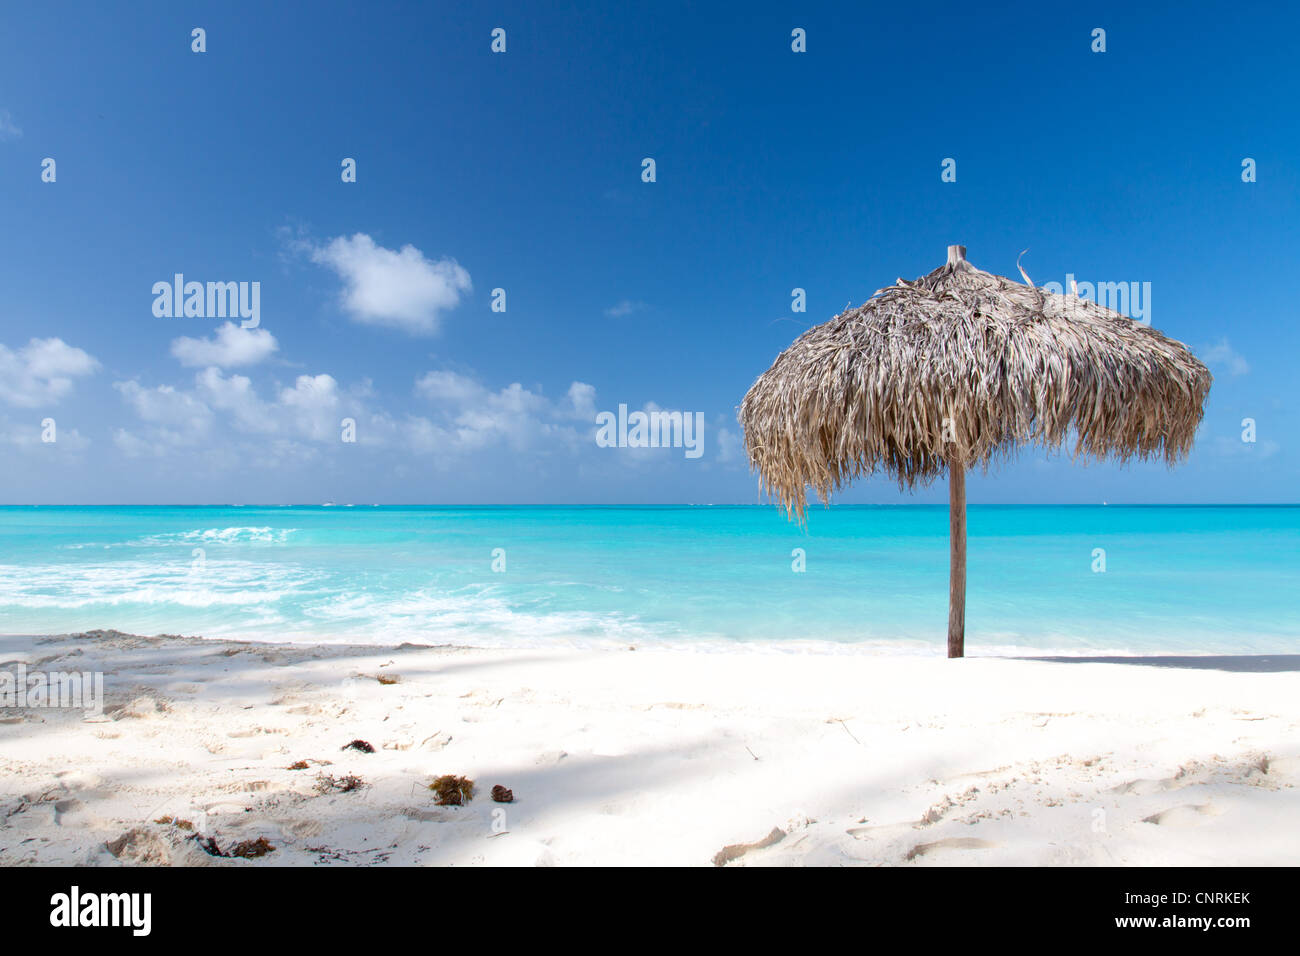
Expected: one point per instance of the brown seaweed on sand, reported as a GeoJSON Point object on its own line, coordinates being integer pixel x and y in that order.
{"type": "Point", "coordinates": [452, 791]}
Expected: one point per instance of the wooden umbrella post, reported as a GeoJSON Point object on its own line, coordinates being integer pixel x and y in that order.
{"type": "Point", "coordinates": [956, 558]}
{"type": "Point", "coordinates": [956, 531]}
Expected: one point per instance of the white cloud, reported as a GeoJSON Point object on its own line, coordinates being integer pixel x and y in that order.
{"type": "Point", "coordinates": [582, 401]}
{"type": "Point", "coordinates": [469, 417]}
{"type": "Point", "coordinates": [449, 387]}
{"type": "Point", "coordinates": [41, 372]}
{"type": "Point", "coordinates": [167, 407]}
{"type": "Point", "coordinates": [1222, 355]}
{"type": "Point", "coordinates": [288, 425]}
{"type": "Point", "coordinates": [397, 288]}
{"type": "Point", "coordinates": [7, 128]}
{"type": "Point", "coordinates": [625, 307]}
{"type": "Point", "coordinates": [235, 396]}
{"type": "Point", "coordinates": [28, 436]}
{"type": "Point", "coordinates": [311, 409]}
{"type": "Point", "coordinates": [730, 445]}
{"type": "Point", "coordinates": [1225, 447]}
{"type": "Point", "coordinates": [133, 446]}
{"type": "Point", "coordinates": [314, 405]}
{"type": "Point", "coordinates": [232, 346]}
{"type": "Point", "coordinates": [474, 417]}
{"type": "Point", "coordinates": [513, 414]}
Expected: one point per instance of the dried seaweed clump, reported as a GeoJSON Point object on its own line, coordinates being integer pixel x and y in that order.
{"type": "Point", "coordinates": [208, 845]}
{"type": "Point", "coordinates": [245, 849]}
{"type": "Point", "coordinates": [452, 791]}
{"type": "Point", "coordinates": [359, 744]}
{"type": "Point", "coordinates": [251, 849]}
{"type": "Point", "coordinates": [327, 783]}
{"type": "Point", "coordinates": [298, 765]}
{"type": "Point", "coordinates": [503, 795]}
{"type": "Point", "coordinates": [176, 822]}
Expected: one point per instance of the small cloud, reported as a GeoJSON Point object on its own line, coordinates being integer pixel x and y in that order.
{"type": "Point", "coordinates": [41, 372]}
{"type": "Point", "coordinates": [472, 416]}
{"type": "Point", "coordinates": [1225, 447]}
{"type": "Point", "coordinates": [397, 288]}
{"type": "Point", "coordinates": [166, 406]}
{"type": "Point", "coordinates": [1224, 356]}
{"type": "Point", "coordinates": [730, 445]}
{"type": "Point", "coordinates": [232, 346]}
{"type": "Point", "coordinates": [133, 446]}
{"type": "Point", "coordinates": [8, 130]}
{"type": "Point", "coordinates": [28, 435]}
{"type": "Point", "coordinates": [452, 387]}
{"type": "Point", "coordinates": [310, 409]}
{"type": "Point", "coordinates": [582, 401]}
{"type": "Point", "coordinates": [626, 307]}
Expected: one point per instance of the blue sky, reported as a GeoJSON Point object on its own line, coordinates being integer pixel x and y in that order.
{"type": "Point", "coordinates": [522, 170]}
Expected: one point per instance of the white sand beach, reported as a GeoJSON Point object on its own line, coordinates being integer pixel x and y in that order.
{"type": "Point", "coordinates": [648, 756]}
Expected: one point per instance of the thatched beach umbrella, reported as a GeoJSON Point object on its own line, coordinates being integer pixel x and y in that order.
{"type": "Point", "coordinates": [952, 371]}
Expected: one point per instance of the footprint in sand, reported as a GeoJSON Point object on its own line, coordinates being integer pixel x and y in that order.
{"type": "Point", "coordinates": [882, 831]}
{"type": "Point", "coordinates": [1144, 788]}
{"type": "Point", "coordinates": [513, 850]}
{"type": "Point", "coordinates": [952, 843]}
{"type": "Point", "coordinates": [255, 732]}
{"type": "Point", "coordinates": [422, 815]}
{"type": "Point", "coordinates": [139, 708]}
{"type": "Point", "coordinates": [1281, 767]}
{"type": "Point", "coordinates": [306, 710]}
{"type": "Point", "coordinates": [73, 813]}
{"type": "Point", "coordinates": [78, 780]}
{"type": "Point", "coordinates": [735, 851]}
{"type": "Point", "coordinates": [1188, 815]}
{"type": "Point", "coordinates": [251, 786]}
{"type": "Point", "coordinates": [140, 846]}
{"type": "Point", "coordinates": [304, 828]}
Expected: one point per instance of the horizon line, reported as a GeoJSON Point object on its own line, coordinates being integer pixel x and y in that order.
{"type": "Point", "coordinates": [679, 504]}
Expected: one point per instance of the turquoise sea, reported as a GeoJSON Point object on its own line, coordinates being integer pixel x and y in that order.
{"type": "Point", "coordinates": [1176, 579]}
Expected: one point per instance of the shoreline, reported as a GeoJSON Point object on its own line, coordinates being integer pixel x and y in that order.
{"type": "Point", "coordinates": [712, 645]}
{"type": "Point", "coordinates": [653, 756]}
